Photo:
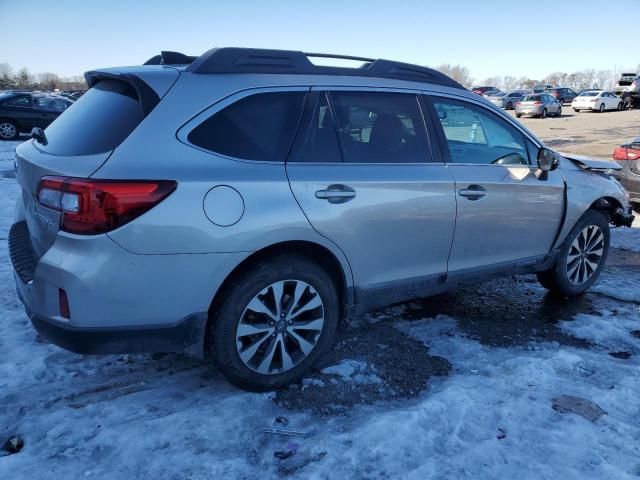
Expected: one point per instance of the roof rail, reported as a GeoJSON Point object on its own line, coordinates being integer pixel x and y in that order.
{"type": "Point", "coordinates": [255, 60]}
{"type": "Point", "coordinates": [170, 58]}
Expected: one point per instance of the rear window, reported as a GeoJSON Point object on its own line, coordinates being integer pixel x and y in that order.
{"type": "Point", "coordinates": [257, 127]}
{"type": "Point", "coordinates": [589, 94]}
{"type": "Point", "coordinates": [531, 98]}
{"type": "Point", "coordinates": [97, 122]}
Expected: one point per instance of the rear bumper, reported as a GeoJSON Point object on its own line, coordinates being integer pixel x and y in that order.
{"type": "Point", "coordinates": [184, 337]}
{"type": "Point", "coordinates": [529, 111]}
{"type": "Point", "coordinates": [119, 302]}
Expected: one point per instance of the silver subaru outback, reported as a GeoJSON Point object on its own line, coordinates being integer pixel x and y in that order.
{"type": "Point", "coordinates": [239, 205]}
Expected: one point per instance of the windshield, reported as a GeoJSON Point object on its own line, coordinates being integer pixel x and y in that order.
{"type": "Point", "coordinates": [97, 122]}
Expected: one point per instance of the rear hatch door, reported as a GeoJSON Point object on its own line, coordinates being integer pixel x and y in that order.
{"type": "Point", "coordinates": [78, 142]}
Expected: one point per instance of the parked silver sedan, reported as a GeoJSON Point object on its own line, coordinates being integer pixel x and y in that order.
{"type": "Point", "coordinates": [506, 100]}
{"type": "Point", "coordinates": [538, 105]}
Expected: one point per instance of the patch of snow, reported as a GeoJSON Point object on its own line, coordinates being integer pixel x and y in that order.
{"type": "Point", "coordinates": [620, 283]}
{"type": "Point", "coordinates": [626, 238]}
{"type": "Point", "coordinates": [353, 371]}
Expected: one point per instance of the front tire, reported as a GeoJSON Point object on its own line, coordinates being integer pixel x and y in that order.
{"type": "Point", "coordinates": [577, 110]}
{"type": "Point", "coordinates": [544, 113]}
{"type": "Point", "coordinates": [274, 323]}
{"type": "Point", "coordinates": [620, 106]}
{"type": "Point", "coordinates": [559, 114]}
{"type": "Point", "coordinates": [581, 257]}
{"type": "Point", "coordinates": [8, 130]}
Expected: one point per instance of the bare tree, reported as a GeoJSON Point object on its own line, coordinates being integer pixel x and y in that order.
{"type": "Point", "coordinates": [459, 73]}
{"type": "Point", "coordinates": [48, 81]}
{"type": "Point", "coordinates": [6, 76]}
{"type": "Point", "coordinates": [526, 83]}
{"type": "Point", "coordinates": [605, 79]}
{"type": "Point", "coordinates": [493, 82]}
{"type": "Point", "coordinates": [509, 82]}
{"type": "Point", "coordinates": [555, 78]}
{"type": "Point", "coordinates": [24, 78]}
{"type": "Point", "coordinates": [586, 78]}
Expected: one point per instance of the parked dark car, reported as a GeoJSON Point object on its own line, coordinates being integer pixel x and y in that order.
{"type": "Point", "coordinates": [563, 94]}
{"type": "Point", "coordinates": [485, 90]}
{"type": "Point", "coordinates": [628, 156]}
{"type": "Point", "coordinates": [21, 111]}
{"type": "Point", "coordinates": [541, 88]}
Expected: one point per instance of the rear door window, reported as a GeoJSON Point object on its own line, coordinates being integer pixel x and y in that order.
{"type": "Point", "coordinates": [97, 122]}
{"type": "Point", "coordinates": [379, 127]}
{"type": "Point", "coordinates": [256, 127]}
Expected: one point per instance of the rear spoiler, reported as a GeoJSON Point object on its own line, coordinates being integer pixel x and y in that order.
{"type": "Point", "coordinates": [147, 96]}
{"type": "Point", "coordinates": [591, 163]}
{"type": "Point", "coordinates": [170, 58]}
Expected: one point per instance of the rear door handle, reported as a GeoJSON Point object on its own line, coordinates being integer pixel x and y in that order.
{"type": "Point", "coordinates": [336, 193]}
{"type": "Point", "coordinates": [473, 192]}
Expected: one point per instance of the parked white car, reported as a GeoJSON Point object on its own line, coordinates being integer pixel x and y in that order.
{"type": "Point", "coordinates": [598, 100]}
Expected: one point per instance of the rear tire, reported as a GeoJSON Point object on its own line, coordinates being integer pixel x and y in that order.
{"type": "Point", "coordinates": [577, 110]}
{"type": "Point", "coordinates": [580, 258]}
{"type": "Point", "coordinates": [544, 113]}
{"type": "Point", "coordinates": [518, 115]}
{"type": "Point", "coordinates": [8, 130]}
{"type": "Point", "coordinates": [272, 345]}
{"type": "Point", "coordinates": [559, 114]}
{"type": "Point", "coordinates": [601, 109]}
{"type": "Point", "coordinates": [509, 106]}
{"type": "Point", "coordinates": [620, 106]}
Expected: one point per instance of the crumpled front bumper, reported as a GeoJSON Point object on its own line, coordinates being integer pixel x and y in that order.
{"type": "Point", "coordinates": [623, 217]}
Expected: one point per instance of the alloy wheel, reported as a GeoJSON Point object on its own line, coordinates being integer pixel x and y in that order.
{"type": "Point", "coordinates": [280, 327]}
{"type": "Point", "coordinates": [585, 255]}
{"type": "Point", "coordinates": [7, 130]}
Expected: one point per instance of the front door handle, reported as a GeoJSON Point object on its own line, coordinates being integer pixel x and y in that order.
{"type": "Point", "coordinates": [473, 192]}
{"type": "Point", "coordinates": [336, 193]}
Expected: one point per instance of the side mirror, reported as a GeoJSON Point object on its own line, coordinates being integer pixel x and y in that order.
{"type": "Point", "coordinates": [548, 159]}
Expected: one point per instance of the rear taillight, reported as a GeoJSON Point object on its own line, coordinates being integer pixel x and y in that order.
{"type": "Point", "coordinates": [90, 207]}
{"type": "Point", "coordinates": [623, 153]}
{"type": "Point", "coordinates": [537, 103]}
{"type": "Point", "coordinates": [593, 100]}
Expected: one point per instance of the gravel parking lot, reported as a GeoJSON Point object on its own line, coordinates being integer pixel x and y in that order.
{"type": "Point", "coordinates": [586, 133]}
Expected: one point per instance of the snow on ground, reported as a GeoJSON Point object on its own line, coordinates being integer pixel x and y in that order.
{"type": "Point", "coordinates": [627, 238]}
{"type": "Point", "coordinates": [170, 417]}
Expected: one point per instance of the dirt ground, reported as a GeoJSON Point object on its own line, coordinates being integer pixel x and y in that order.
{"type": "Point", "coordinates": [586, 133]}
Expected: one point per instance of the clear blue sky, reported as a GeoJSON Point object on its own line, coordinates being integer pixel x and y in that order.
{"type": "Point", "coordinates": [491, 38]}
